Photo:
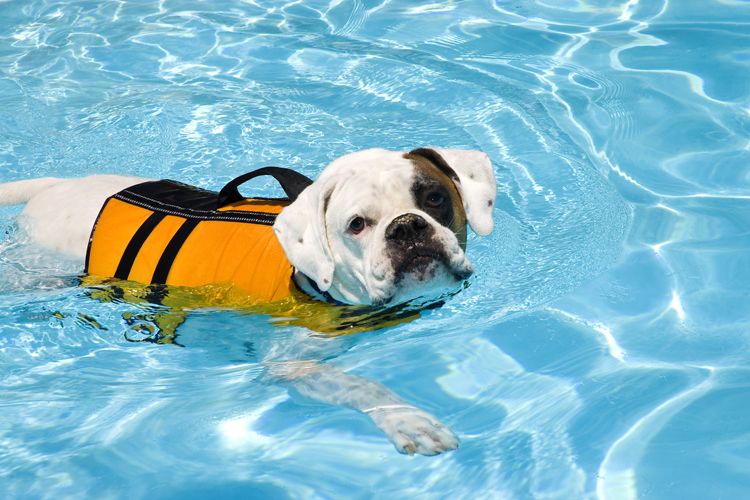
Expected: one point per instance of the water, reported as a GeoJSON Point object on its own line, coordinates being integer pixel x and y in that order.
{"type": "Point", "coordinates": [601, 350]}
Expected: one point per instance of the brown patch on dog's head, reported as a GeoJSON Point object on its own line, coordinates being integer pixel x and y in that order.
{"type": "Point", "coordinates": [434, 178]}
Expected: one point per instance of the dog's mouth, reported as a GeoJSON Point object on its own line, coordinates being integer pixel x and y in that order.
{"type": "Point", "coordinates": [418, 262]}
{"type": "Point", "coordinates": [422, 268]}
{"type": "Point", "coordinates": [426, 274]}
{"type": "Point", "coordinates": [422, 264]}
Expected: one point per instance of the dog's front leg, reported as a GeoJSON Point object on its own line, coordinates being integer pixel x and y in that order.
{"type": "Point", "coordinates": [410, 429]}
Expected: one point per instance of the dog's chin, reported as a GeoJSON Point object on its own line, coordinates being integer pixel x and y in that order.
{"type": "Point", "coordinates": [422, 275]}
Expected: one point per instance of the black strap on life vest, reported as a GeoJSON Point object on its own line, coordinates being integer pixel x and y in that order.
{"type": "Point", "coordinates": [135, 244]}
{"type": "Point", "coordinates": [293, 183]}
{"type": "Point", "coordinates": [161, 272]}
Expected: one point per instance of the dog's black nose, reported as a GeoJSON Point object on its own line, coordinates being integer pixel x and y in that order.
{"type": "Point", "coordinates": [406, 227]}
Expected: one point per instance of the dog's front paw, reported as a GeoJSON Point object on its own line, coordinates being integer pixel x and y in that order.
{"type": "Point", "coordinates": [412, 430]}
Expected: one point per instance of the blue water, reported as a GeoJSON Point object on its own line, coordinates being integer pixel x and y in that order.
{"type": "Point", "coordinates": [601, 349]}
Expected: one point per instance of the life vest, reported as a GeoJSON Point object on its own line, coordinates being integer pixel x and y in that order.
{"type": "Point", "coordinates": [166, 232]}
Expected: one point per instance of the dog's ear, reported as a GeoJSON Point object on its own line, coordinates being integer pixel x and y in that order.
{"type": "Point", "coordinates": [471, 171]}
{"type": "Point", "coordinates": [301, 230]}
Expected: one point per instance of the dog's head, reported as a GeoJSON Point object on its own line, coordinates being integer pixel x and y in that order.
{"type": "Point", "coordinates": [383, 227]}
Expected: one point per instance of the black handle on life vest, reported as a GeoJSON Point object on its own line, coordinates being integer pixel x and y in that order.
{"type": "Point", "coordinates": [293, 183]}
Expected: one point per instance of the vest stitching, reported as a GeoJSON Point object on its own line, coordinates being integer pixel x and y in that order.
{"type": "Point", "coordinates": [252, 217]}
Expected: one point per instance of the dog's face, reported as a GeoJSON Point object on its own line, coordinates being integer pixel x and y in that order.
{"type": "Point", "coordinates": [383, 227]}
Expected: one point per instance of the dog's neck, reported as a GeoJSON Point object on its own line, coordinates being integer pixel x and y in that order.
{"type": "Point", "coordinates": [309, 287]}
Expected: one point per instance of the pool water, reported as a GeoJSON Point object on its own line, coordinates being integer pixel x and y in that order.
{"type": "Point", "coordinates": [600, 350]}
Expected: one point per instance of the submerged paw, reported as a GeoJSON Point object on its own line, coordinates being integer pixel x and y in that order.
{"type": "Point", "coordinates": [412, 430]}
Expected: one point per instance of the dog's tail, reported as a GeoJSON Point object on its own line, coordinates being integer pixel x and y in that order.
{"type": "Point", "coordinates": [15, 193]}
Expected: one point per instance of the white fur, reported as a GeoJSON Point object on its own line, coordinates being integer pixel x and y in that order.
{"type": "Point", "coordinates": [477, 186]}
{"type": "Point", "coordinates": [15, 193]}
{"type": "Point", "coordinates": [60, 213]}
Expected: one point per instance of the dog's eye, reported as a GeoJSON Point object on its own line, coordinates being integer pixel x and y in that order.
{"type": "Point", "coordinates": [435, 199]}
{"type": "Point", "coordinates": [356, 225]}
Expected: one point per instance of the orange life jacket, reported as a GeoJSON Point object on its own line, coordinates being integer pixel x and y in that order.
{"type": "Point", "coordinates": [166, 232]}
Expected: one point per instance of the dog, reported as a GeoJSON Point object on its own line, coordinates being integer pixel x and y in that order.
{"type": "Point", "coordinates": [377, 227]}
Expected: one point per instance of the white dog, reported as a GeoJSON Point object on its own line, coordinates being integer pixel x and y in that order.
{"type": "Point", "coordinates": [377, 227]}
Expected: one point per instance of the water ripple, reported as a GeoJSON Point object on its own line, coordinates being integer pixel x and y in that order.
{"type": "Point", "coordinates": [608, 312]}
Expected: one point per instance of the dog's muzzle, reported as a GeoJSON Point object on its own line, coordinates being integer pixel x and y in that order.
{"type": "Point", "coordinates": [415, 250]}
